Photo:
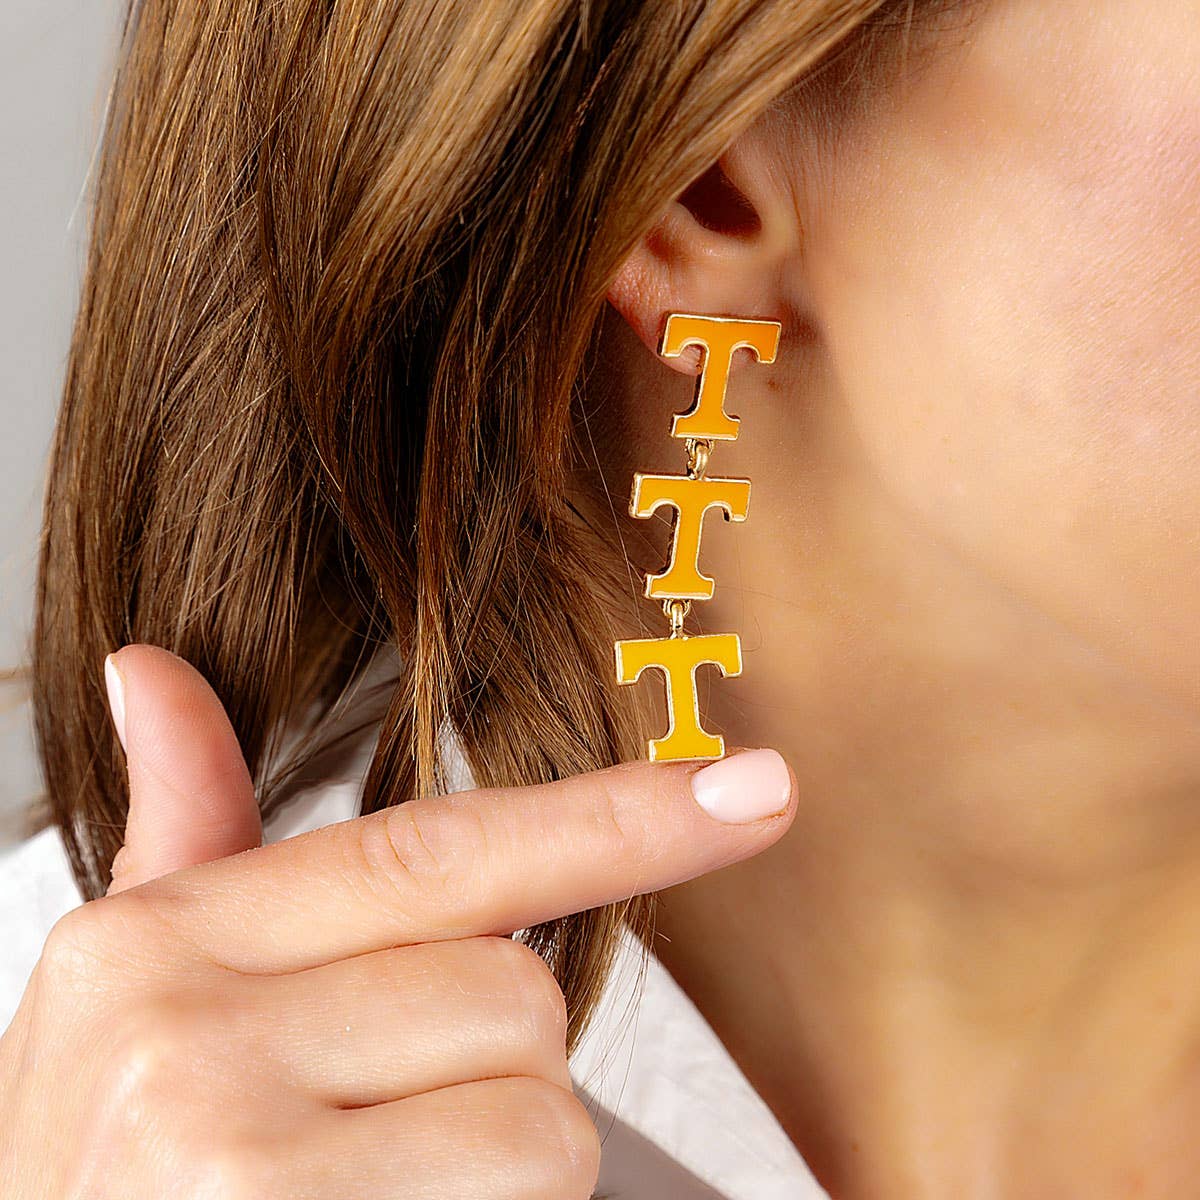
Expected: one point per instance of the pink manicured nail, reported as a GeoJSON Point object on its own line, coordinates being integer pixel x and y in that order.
{"type": "Point", "coordinates": [116, 697]}
{"type": "Point", "coordinates": [743, 787]}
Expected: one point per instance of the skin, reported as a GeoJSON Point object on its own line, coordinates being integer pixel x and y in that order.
{"type": "Point", "coordinates": [968, 590]}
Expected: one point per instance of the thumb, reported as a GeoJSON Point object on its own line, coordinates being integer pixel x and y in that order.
{"type": "Point", "coordinates": [191, 799]}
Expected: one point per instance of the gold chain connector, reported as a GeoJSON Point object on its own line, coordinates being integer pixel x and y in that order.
{"type": "Point", "coordinates": [676, 612]}
{"type": "Point", "coordinates": [698, 450]}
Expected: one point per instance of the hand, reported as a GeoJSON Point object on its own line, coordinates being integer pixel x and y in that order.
{"type": "Point", "coordinates": [338, 1014]}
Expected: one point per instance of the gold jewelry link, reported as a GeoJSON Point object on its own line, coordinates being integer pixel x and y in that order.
{"type": "Point", "coordinates": [676, 612]}
{"type": "Point", "coordinates": [698, 450]}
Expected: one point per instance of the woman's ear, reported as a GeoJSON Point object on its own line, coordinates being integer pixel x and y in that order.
{"type": "Point", "coordinates": [721, 248]}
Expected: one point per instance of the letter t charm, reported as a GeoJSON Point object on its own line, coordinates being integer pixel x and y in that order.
{"type": "Point", "coordinates": [691, 496]}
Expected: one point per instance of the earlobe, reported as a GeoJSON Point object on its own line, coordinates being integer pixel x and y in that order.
{"type": "Point", "coordinates": [720, 247]}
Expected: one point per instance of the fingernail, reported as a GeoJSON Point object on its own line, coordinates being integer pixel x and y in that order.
{"type": "Point", "coordinates": [743, 787]}
{"type": "Point", "coordinates": [116, 697]}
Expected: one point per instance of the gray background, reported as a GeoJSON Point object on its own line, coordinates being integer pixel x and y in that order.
{"type": "Point", "coordinates": [56, 62]}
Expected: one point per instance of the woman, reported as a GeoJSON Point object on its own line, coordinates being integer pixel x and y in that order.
{"type": "Point", "coordinates": [366, 356]}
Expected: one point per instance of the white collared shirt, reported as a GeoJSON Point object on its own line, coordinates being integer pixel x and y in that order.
{"type": "Point", "coordinates": [677, 1117]}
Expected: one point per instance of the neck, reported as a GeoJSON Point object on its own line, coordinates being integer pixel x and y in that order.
{"type": "Point", "coordinates": [986, 977]}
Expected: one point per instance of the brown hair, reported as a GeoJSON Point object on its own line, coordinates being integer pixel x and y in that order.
{"type": "Point", "coordinates": [345, 270]}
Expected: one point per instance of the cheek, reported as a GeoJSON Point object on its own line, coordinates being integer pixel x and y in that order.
{"type": "Point", "coordinates": [1007, 272]}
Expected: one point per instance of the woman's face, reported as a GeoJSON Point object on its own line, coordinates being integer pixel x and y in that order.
{"type": "Point", "coordinates": [976, 462]}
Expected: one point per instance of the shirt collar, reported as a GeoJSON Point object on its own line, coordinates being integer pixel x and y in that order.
{"type": "Point", "coordinates": [650, 1064]}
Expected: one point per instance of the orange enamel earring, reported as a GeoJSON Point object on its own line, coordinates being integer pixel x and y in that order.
{"type": "Point", "coordinates": [691, 496]}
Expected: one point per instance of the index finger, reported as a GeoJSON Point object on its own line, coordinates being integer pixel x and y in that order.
{"type": "Point", "coordinates": [490, 861]}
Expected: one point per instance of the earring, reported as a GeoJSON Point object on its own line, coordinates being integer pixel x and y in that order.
{"type": "Point", "coordinates": [691, 496]}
